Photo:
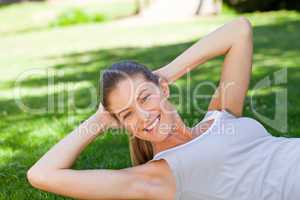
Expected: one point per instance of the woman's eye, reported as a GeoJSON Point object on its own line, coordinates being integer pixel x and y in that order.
{"type": "Point", "coordinates": [145, 98]}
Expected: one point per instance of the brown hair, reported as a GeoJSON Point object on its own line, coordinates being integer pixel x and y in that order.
{"type": "Point", "coordinates": [141, 151]}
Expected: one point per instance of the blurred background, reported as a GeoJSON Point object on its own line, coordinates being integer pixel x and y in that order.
{"type": "Point", "coordinates": [52, 53]}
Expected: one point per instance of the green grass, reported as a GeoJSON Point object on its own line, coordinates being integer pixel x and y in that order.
{"type": "Point", "coordinates": [35, 16]}
{"type": "Point", "coordinates": [74, 57]}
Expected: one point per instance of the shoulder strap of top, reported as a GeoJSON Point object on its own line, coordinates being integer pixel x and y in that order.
{"type": "Point", "coordinates": [211, 114]}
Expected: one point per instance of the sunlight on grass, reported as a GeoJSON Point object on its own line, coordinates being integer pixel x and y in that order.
{"type": "Point", "coordinates": [41, 15]}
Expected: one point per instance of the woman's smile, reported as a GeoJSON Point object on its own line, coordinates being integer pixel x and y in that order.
{"type": "Point", "coordinates": [149, 128]}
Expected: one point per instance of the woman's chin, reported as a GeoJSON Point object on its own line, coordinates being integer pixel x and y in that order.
{"type": "Point", "coordinates": [160, 136]}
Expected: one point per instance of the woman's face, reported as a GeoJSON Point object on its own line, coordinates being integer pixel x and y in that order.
{"type": "Point", "coordinates": [142, 108]}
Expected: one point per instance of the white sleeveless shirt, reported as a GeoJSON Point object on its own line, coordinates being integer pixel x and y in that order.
{"type": "Point", "coordinates": [235, 159]}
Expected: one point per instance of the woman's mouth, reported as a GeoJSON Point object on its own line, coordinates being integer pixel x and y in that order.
{"type": "Point", "coordinates": [151, 126]}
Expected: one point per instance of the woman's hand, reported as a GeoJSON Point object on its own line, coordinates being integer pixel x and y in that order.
{"type": "Point", "coordinates": [163, 73]}
{"type": "Point", "coordinates": [106, 119]}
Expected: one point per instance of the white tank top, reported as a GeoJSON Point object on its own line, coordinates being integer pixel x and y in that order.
{"type": "Point", "coordinates": [235, 159]}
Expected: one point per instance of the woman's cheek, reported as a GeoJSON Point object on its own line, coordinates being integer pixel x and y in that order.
{"type": "Point", "coordinates": [130, 126]}
{"type": "Point", "coordinates": [155, 101]}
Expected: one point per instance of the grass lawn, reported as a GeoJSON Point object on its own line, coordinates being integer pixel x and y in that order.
{"type": "Point", "coordinates": [57, 62]}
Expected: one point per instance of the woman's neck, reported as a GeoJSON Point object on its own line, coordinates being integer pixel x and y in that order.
{"type": "Point", "coordinates": [172, 140]}
{"type": "Point", "coordinates": [181, 136]}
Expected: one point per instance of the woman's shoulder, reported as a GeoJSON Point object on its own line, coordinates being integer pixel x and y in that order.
{"type": "Point", "coordinates": [224, 113]}
{"type": "Point", "coordinates": [241, 125]}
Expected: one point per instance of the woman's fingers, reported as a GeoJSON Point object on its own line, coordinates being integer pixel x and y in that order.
{"type": "Point", "coordinates": [108, 119]}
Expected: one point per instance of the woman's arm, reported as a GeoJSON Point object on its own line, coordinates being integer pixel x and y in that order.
{"type": "Point", "coordinates": [52, 172]}
{"type": "Point", "coordinates": [234, 40]}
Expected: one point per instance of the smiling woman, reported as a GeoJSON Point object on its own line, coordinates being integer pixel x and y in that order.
{"type": "Point", "coordinates": [235, 157]}
{"type": "Point", "coordinates": [137, 99]}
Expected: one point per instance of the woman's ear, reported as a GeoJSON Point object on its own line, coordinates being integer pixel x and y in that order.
{"type": "Point", "coordinates": [164, 85]}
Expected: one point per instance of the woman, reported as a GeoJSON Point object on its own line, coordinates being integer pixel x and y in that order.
{"type": "Point", "coordinates": [225, 156]}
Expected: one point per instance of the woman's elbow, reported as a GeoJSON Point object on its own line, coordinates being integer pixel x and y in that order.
{"type": "Point", "coordinates": [37, 177]}
{"type": "Point", "coordinates": [244, 27]}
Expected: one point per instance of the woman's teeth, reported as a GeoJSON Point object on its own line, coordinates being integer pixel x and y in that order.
{"type": "Point", "coordinates": [149, 128]}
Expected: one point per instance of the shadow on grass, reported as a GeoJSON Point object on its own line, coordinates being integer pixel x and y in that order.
{"type": "Point", "coordinates": [275, 48]}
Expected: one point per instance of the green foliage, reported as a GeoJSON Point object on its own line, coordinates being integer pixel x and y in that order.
{"type": "Point", "coordinates": [32, 16]}
{"type": "Point", "coordinates": [76, 16]}
{"type": "Point", "coordinates": [228, 10]}
{"type": "Point", "coordinates": [265, 5]}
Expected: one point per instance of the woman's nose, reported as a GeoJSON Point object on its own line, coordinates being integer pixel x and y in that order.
{"type": "Point", "coordinates": [143, 115]}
